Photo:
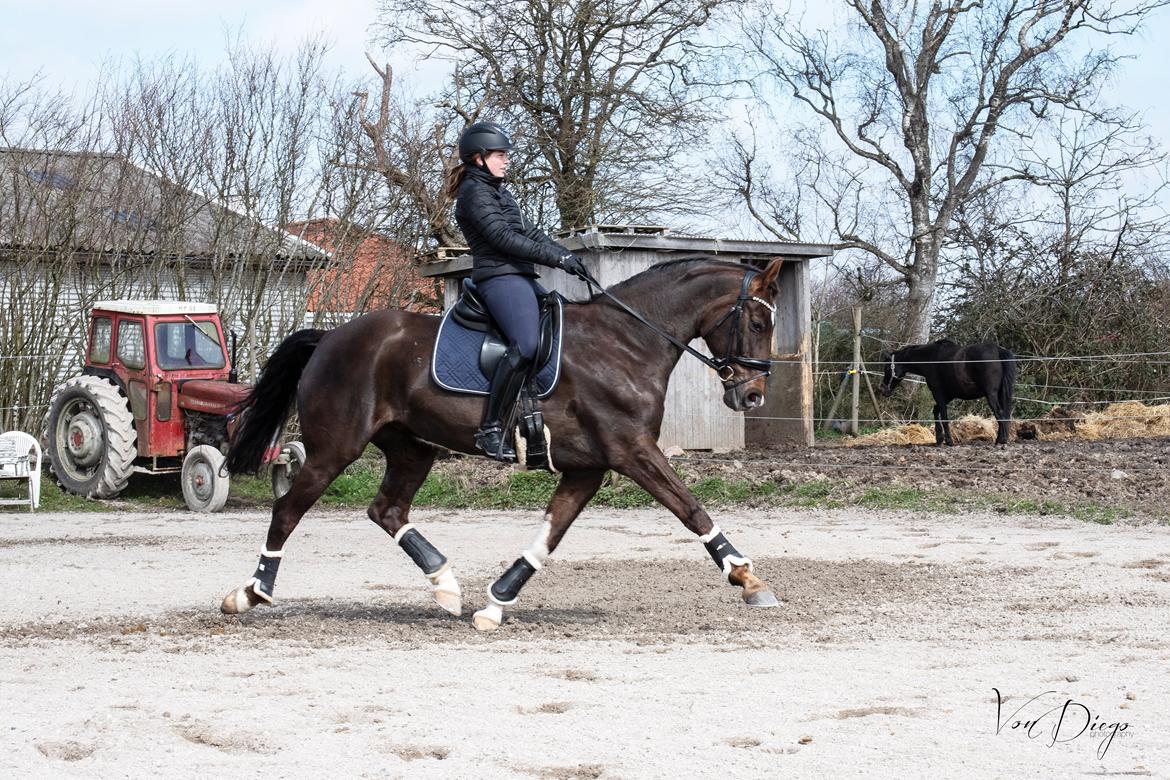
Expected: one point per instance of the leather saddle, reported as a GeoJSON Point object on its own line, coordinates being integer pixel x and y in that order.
{"type": "Point", "coordinates": [469, 345]}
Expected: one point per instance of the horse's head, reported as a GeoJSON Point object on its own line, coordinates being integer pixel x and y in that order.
{"type": "Point", "coordinates": [739, 334]}
{"type": "Point", "coordinates": [892, 374]}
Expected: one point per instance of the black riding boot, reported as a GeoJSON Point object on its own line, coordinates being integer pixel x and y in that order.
{"type": "Point", "coordinates": [511, 372]}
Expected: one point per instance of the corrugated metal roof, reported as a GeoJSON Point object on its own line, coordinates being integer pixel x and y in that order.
{"type": "Point", "coordinates": [104, 203]}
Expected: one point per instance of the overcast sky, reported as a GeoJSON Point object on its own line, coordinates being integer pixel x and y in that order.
{"type": "Point", "coordinates": [67, 40]}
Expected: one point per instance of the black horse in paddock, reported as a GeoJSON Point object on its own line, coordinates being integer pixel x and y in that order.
{"type": "Point", "coordinates": [369, 381]}
{"type": "Point", "coordinates": [952, 371]}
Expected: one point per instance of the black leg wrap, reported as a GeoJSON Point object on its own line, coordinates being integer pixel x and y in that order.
{"type": "Point", "coordinates": [721, 549]}
{"type": "Point", "coordinates": [422, 552]}
{"type": "Point", "coordinates": [265, 575]}
{"type": "Point", "coordinates": [507, 588]}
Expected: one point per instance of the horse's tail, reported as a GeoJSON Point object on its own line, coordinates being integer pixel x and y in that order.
{"type": "Point", "coordinates": [267, 407]}
{"type": "Point", "coordinates": [1007, 387]}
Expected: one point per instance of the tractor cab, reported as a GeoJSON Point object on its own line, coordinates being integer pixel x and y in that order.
{"type": "Point", "coordinates": [153, 351]}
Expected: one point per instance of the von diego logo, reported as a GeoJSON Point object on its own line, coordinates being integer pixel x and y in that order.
{"type": "Point", "coordinates": [1056, 719]}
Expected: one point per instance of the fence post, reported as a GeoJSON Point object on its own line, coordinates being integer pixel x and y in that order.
{"type": "Point", "coordinates": [854, 429]}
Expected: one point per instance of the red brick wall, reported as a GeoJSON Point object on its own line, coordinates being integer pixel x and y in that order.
{"type": "Point", "coordinates": [368, 271]}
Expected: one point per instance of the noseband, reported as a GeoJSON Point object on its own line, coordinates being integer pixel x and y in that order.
{"type": "Point", "coordinates": [723, 365]}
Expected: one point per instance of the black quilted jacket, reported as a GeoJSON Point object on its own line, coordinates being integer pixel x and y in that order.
{"type": "Point", "coordinates": [501, 240]}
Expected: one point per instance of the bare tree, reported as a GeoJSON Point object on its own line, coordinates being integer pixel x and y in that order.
{"type": "Point", "coordinates": [1077, 268]}
{"type": "Point", "coordinates": [409, 146]}
{"type": "Point", "coordinates": [918, 106]}
{"type": "Point", "coordinates": [606, 92]}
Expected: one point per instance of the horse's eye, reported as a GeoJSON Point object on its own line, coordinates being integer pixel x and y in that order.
{"type": "Point", "coordinates": [757, 326]}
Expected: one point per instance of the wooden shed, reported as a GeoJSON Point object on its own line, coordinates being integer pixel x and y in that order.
{"type": "Point", "coordinates": [696, 418]}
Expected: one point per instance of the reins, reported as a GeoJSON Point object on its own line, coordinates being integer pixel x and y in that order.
{"type": "Point", "coordinates": [719, 365]}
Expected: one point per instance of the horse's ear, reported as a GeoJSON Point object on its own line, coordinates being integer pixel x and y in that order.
{"type": "Point", "coordinates": [770, 279]}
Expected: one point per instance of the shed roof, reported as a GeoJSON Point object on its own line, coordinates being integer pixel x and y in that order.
{"type": "Point", "coordinates": [83, 201]}
{"type": "Point", "coordinates": [617, 238]}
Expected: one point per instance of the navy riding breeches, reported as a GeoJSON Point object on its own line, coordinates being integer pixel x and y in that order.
{"type": "Point", "coordinates": [511, 299]}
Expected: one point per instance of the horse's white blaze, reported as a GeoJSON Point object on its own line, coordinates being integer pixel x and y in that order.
{"type": "Point", "coordinates": [446, 591]}
{"type": "Point", "coordinates": [488, 618]}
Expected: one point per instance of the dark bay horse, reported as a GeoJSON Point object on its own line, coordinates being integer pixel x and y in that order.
{"type": "Point", "coordinates": [951, 371]}
{"type": "Point", "coordinates": [369, 381]}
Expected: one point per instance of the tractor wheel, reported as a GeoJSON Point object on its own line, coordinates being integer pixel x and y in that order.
{"type": "Point", "coordinates": [90, 437]}
{"type": "Point", "coordinates": [205, 479]}
{"type": "Point", "coordinates": [283, 474]}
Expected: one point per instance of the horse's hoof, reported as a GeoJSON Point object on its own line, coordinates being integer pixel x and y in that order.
{"type": "Point", "coordinates": [239, 601]}
{"type": "Point", "coordinates": [488, 618]}
{"type": "Point", "coordinates": [450, 601]}
{"type": "Point", "coordinates": [761, 598]}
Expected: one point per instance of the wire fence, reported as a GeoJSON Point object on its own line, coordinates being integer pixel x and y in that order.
{"type": "Point", "coordinates": [1071, 469]}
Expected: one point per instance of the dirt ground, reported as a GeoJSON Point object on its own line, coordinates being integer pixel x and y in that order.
{"type": "Point", "coordinates": [1133, 473]}
{"type": "Point", "coordinates": [626, 657]}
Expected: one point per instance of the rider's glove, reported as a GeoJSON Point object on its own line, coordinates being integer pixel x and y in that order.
{"type": "Point", "coordinates": [572, 264]}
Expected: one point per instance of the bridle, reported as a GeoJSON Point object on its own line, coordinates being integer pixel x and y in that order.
{"type": "Point", "coordinates": [723, 366]}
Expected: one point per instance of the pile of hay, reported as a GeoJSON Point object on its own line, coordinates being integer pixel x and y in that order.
{"type": "Point", "coordinates": [1124, 420]}
{"type": "Point", "coordinates": [904, 434]}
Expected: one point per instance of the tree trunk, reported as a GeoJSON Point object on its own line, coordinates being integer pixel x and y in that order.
{"type": "Point", "coordinates": [920, 281]}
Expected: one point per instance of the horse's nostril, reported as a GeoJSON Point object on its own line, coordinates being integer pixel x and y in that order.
{"type": "Point", "coordinates": [754, 399]}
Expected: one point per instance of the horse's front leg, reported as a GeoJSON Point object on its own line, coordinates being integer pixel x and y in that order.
{"type": "Point", "coordinates": [575, 490]}
{"type": "Point", "coordinates": [647, 466]}
{"type": "Point", "coordinates": [946, 424]}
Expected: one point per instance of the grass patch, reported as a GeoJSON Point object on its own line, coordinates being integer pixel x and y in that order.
{"type": "Point", "coordinates": [451, 486]}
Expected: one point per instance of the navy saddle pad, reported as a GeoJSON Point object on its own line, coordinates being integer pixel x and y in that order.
{"type": "Point", "coordinates": [455, 364]}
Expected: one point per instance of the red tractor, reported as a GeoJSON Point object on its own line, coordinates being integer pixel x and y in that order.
{"type": "Point", "coordinates": [156, 395]}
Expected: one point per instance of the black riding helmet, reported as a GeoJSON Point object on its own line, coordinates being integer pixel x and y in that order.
{"type": "Point", "coordinates": [481, 138]}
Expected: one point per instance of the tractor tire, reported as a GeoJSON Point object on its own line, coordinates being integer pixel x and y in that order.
{"type": "Point", "coordinates": [90, 437]}
{"type": "Point", "coordinates": [283, 474]}
{"type": "Point", "coordinates": [205, 479]}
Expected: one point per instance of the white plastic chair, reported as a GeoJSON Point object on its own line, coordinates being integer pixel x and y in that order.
{"type": "Point", "coordinates": [20, 458]}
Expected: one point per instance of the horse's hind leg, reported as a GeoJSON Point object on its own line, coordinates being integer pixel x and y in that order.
{"type": "Point", "coordinates": [309, 485]}
{"type": "Point", "coordinates": [646, 465]}
{"type": "Point", "coordinates": [573, 492]}
{"type": "Point", "coordinates": [408, 461]}
{"type": "Point", "coordinates": [1003, 418]}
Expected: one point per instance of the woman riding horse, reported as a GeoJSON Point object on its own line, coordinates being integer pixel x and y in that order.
{"type": "Point", "coordinates": [504, 248]}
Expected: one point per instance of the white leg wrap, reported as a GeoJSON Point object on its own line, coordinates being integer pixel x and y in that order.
{"type": "Point", "coordinates": [402, 532]}
{"type": "Point", "coordinates": [710, 534]}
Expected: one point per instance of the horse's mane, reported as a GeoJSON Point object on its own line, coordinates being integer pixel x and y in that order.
{"type": "Point", "coordinates": [674, 266]}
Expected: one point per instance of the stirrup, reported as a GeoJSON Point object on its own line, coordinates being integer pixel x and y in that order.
{"type": "Point", "coordinates": [491, 441]}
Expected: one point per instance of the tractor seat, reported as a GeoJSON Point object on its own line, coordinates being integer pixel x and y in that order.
{"type": "Point", "coordinates": [212, 396]}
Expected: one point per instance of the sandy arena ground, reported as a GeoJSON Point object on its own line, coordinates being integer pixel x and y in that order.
{"type": "Point", "coordinates": [625, 658]}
